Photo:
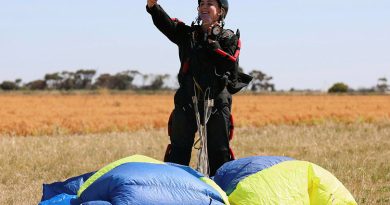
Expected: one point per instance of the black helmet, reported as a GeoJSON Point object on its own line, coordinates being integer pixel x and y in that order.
{"type": "Point", "coordinates": [224, 4]}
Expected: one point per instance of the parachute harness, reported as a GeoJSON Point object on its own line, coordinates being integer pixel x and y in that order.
{"type": "Point", "coordinates": [208, 103]}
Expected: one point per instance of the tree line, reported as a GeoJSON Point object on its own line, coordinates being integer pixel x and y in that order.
{"type": "Point", "coordinates": [84, 79]}
{"type": "Point", "coordinates": [382, 86]}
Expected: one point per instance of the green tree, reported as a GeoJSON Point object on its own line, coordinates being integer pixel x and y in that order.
{"type": "Point", "coordinates": [382, 85]}
{"type": "Point", "coordinates": [18, 82]}
{"type": "Point", "coordinates": [158, 82]}
{"type": "Point", "coordinates": [103, 81]}
{"type": "Point", "coordinates": [37, 85]}
{"type": "Point", "coordinates": [8, 85]}
{"type": "Point", "coordinates": [119, 81]}
{"type": "Point", "coordinates": [338, 88]}
{"type": "Point", "coordinates": [261, 82]}
{"type": "Point", "coordinates": [68, 81]}
{"type": "Point", "coordinates": [53, 80]}
{"type": "Point", "coordinates": [83, 79]}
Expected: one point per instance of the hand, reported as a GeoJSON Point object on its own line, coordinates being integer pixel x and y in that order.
{"type": "Point", "coordinates": [225, 78]}
{"type": "Point", "coordinates": [151, 3]}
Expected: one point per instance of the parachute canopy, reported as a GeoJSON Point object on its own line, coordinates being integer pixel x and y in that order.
{"type": "Point", "coordinates": [249, 181]}
{"type": "Point", "coordinates": [280, 180]}
{"type": "Point", "coordinates": [137, 180]}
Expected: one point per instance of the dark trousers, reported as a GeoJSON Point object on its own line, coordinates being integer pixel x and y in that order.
{"type": "Point", "coordinates": [184, 127]}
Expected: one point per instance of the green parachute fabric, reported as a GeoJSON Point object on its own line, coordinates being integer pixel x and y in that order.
{"type": "Point", "coordinates": [280, 180]}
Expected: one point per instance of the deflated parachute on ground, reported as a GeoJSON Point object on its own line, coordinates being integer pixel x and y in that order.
{"type": "Point", "coordinates": [280, 180]}
{"type": "Point", "coordinates": [136, 180]}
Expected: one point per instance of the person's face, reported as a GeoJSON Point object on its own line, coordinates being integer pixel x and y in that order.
{"type": "Point", "coordinates": [209, 8]}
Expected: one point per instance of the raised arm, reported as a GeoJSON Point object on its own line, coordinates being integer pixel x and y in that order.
{"type": "Point", "coordinates": [171, 28]}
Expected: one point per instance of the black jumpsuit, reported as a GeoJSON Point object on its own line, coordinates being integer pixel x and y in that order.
{"type": "Point", "coordinates": [204, 64]}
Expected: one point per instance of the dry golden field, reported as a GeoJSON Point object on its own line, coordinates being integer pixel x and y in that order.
{"type": "Point", "coordinates": [357, 154]}
{"type": "Point", "coordinates": [26, 115]}
{"type": "Point", "coordinates": [68, 135]}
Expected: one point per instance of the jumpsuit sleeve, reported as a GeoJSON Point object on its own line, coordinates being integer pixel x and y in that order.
{"type": "Point", "coordinates": [173, 29]}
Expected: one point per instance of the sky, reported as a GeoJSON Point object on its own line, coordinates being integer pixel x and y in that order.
{"type": "Point", "coordinates": [303, 44]}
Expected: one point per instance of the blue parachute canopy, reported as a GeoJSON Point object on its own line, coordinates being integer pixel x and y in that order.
{"type": "Point", "coordinates": [137, 180]}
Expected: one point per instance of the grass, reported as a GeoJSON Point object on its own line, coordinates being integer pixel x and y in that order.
{"type": "Point", "coordinates": [357, 154]}
{"type": "Point", "coordinates": [83, 113]}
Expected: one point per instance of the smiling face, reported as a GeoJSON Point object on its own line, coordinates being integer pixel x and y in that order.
{"type": "Point", "coordinates": [209, 11]}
